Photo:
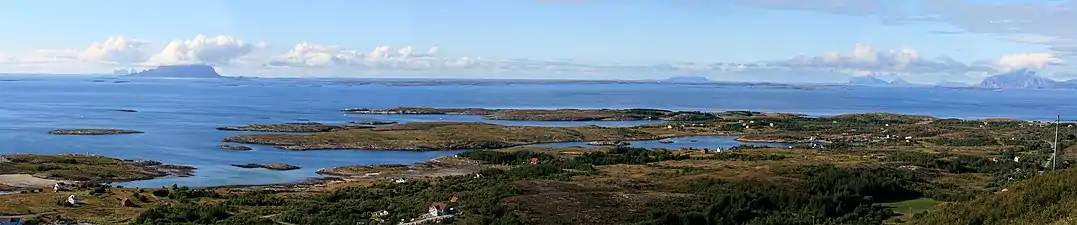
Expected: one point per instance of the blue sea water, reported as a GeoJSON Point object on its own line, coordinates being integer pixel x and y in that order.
{"type": "Point", "coordinates": [179, 115]}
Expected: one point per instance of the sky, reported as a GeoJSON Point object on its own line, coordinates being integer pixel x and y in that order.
{"type": "Point", "coordinates": [792, 41]}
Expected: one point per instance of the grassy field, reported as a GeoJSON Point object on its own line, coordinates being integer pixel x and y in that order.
{"type": "Point", "coordinates": [911, 207]}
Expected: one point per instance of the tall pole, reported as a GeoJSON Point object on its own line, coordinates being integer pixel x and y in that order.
{"type": "Point", "coordinates": [1054, 155]}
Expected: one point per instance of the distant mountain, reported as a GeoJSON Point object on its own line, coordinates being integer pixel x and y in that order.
{"type": "Point", "coordinates": [900, 82]}
{"type": "Point", "coordinates": [868, 81]}
{"type": "Point", "coordinates": [180, 71]}
{"type": "Point", "coordinates": [688, 79]}
{"type": "Point", "coordinates": [1019, 79]}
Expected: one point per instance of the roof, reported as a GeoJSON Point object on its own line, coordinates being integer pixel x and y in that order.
{"type": "Point", "coordinates": [439, 205]}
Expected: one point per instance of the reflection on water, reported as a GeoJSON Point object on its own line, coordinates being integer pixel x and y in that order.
{"type": "Point", "coordinates": [710, 142]}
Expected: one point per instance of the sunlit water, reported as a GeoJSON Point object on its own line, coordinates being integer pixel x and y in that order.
{"type": "Point", "coordinates": [179, 115]}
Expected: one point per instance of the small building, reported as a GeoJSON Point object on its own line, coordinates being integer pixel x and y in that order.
{"type": "Point", "coordinates": [401, 180]}
{"type": "Point", "coordinates": [11, 220]}
{"type": "Point", "coordinates": [438, 209]}
{"type": "Point", "coordinates": [73, 200]}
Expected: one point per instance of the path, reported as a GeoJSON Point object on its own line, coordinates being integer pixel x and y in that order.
{"type": "Point", "coordinates": [417, 222]}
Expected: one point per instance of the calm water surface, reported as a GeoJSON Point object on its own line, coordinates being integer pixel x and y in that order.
{"type": "Point", "coordinates": [179, 115]}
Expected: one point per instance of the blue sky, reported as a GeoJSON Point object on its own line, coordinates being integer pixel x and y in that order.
{"type": "Point", "coordinates": [587, 32]}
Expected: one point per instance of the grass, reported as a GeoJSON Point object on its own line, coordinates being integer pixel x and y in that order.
{"type": "Point", "coordinates": [908, 208]}
{"type": "Point", "coordinates": [77, 168]}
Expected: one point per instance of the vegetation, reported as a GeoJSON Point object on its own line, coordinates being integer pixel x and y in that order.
{"type": "Point", "coordinates": [86, 168]}
{"type": "Point", "coordinates": [440, 136]}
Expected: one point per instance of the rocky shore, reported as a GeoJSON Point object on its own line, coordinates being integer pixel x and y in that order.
{"type": "Point", "coordinates": [421, 111]}
{"type": "Point", "coordinates": [372, 122]}
{"type": "Point", "coordinates": [93, 131]}
{"type": "Point", "coordinates": [549, 114]}
{"type": "Point", "coordinates": [269, 166]}
{"type": "Point", "coordinates": [88, 168]}
{"type": "Point", "coordinates": [235, 147]}
{"type": "Point", "coordinates": [293, 127]}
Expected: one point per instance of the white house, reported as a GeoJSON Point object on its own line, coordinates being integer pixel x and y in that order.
{"type": "Point", "coordinates": [438, 209]}
{"type": "Point", "coordinates": [10, 220]}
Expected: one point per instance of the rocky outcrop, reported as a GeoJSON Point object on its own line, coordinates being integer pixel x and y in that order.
{"type": "Point", "coordinates": [421, 111]}
{"type": "Point", "coordinates": [235, 147]}
{"type": "Point", "coordinates": [269, 166]}
{"type": "Point", "coordinates": [608, 143]}
{"type": "Point", "coordinates": [292, 127]}
{"type": "Point", "coordinates": [92, 131]}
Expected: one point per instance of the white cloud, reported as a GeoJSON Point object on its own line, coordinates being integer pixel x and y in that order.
{"type": "Point", "coordinates": [117, 50]}
{"type": "Point", "coordinates": [216, 50]}
{"type": "Point", "coordinates": [313, 55]}
{"type": "Point", "coordinates": [1028, 61]}
{"type": "Point", "coordinates": [1036, 39]}
{"type": "Point", "coordinates": [866, 59]}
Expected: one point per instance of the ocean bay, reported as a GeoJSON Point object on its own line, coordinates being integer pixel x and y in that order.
{"type": "Point", "coordinates": [179, 116]}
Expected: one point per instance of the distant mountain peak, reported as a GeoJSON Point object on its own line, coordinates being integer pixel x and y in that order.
{"type": "Point", "coordinates": [1020, 78]}
{"type": "Point", "coordinates": [179, 71]}
{"type": "Point", "coordinates": [868, 81]}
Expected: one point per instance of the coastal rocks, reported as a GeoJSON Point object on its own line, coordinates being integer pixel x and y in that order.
{"type": "Point", "coordinates": [234, 147]}
{"type": "Point", "coordinates": [421, 111]}
{"type": "Point", "coordinates": [305, 127]}
{"type": "Point", "coordinates": [608, 143]}
{"type": "Point", "coordinates": [372, 122]}
{"type": "Point", "coordinates": [92, 132]}
{"type": "Point", "coordinates": [269, 166]}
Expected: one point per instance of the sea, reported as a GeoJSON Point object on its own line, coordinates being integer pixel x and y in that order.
{"type": "Point", "coordinates": [179, 116]}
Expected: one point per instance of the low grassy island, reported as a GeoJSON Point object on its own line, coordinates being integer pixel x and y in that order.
{"type": "Point", "coordinates": [440, 136]}
{"type": "Point", "coordinates": [93, 132]}
{"type": "Point", "coordinates": [372, 122]}
{"type": "Point", "coordinates": [292, 127]}
{"type": "Point", "coordinates": [269, 166]}
{"type": "Point", "coordinates": [30, 171]}
{"type": "Point", "coordinates": [549, 114]}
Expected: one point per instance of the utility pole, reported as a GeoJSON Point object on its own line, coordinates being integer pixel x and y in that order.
{"type": "Point", "coordinates": [1054, 155]}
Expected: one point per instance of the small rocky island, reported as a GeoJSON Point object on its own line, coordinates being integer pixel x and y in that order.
{"type": "Point", "coordinates": [548, 114]}
{"type": "Point", "coordinates": [179, 71]}
{"type": "Point", "coordinates": [235, 147]}
{"type": "Point", "coordinates": [305, 127]}
{"type": "Point", "coordinates": [372, 122]}
{"type": "Point", "coordinates": [269, 166]}
{"type": "Point", "coordinates": [93, 132]}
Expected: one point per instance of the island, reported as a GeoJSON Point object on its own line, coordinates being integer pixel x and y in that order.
{"type": "Point", "coordinates": [429, 136]}
{"type": "Point", "coordinates": [1019, 79]}
{"type": "Point", "coordinates": [293, 127]}
{"type": "Point", "coordinates": [372, 122]}
{"type": "Point", "coordinates": [179, 71]}
{"type": "Point", "coordinates": [235, 147]}
{"type": "Point", "coordinates": [93, 131]}
{"type": "Point", "coordinates": [269, 166]}
{"type": "Point", "coordinates": [549, 114]}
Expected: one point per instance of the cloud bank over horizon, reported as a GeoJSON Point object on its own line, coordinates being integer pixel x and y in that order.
{"type": "Point", "coordinates": [1047, 25]}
